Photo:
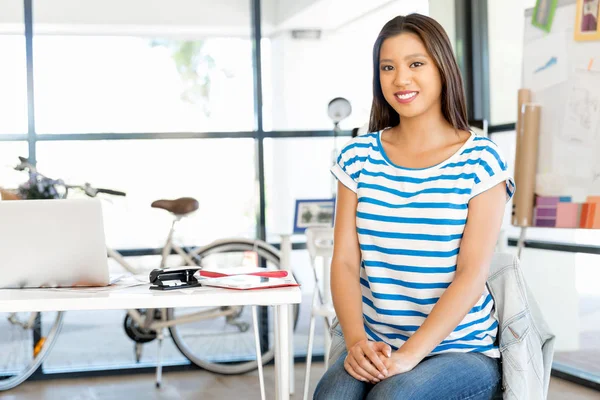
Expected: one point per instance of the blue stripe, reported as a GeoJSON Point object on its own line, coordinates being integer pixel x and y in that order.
{"type": "Point", "coordinates": [405, 220]}
{"type": "Point", "coordinates": [365, 283]}
{"type": "Point", "coordinates": [402, 313]}
{"type": "Point", "coordinates": [452, 206]}
{"type": "Point", "coordinates": [482, 138]}
{"type": "Point", "coordinates": [351, 161]}
{"type": "Point", "coordinates": [474, 335]}
{"type": "Point", "coordinates": [475, 348]}
{"type": "Point", "coordinates": [413, 328]}
{"type": "Point", "coordinates": [409, 236]}
{"type": "Point", "coordinates": [375, 337]}
{"type": "Point", "coordinates": [409, 268]}
{"type": "Point", "coordinates": [487, 167]}
{"type": "Point", "coordinates": [493, 152]}
{"type": "Point", "coordinates": [405, 328]}
{"type": "Point", "coordinates": [422, 180]}
{"type": "Point", "coordinates": [483, 305]}
{"type": "Point", "coordinates": [407, 252]}
{"type": "Point", "coordinates": [358, 145]}
{"type": "Point", "coordinates": [461, 163]}
{"type": "Point", "coordinates": [472, 149]}
{"type": "Point", "coordinates": [490, 150]}
{"type": "Point", "coordinates": [412, 285]}
{"type": "Point", "coordinates": [412, 194]}
{"type": "Point", "coordinates": [376, 162]}
{"type": "Point", "coordinates": [400, 297]}
{"type": "Point", "coordinates": [477, 321]}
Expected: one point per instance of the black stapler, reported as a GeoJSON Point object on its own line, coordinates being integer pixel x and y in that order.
{"type": "Point", "coordinates": [173, 278]}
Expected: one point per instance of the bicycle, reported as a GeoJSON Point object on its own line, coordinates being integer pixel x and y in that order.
{"type": "Point", "coordinates": [200, 335]}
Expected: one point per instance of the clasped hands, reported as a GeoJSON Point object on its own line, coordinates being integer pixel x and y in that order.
{"type": "Point", "coordinates": [373, 362]}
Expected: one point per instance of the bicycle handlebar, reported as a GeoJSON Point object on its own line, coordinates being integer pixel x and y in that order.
{"type": "Point", "coordinates": [112, 192]}
{"type": "Point", "coordinates": [24, 165]}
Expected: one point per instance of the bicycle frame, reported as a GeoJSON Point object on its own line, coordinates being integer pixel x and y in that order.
{"type": "Point", "coordinates": [148, 321]}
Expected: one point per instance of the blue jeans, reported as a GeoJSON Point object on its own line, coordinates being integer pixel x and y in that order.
{"type": "Point", "coordinates": [446, 376]}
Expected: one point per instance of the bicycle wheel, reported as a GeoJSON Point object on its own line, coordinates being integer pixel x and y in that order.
{"type": "Point", "coordinates": [26, 341]}
{"type": "Point", "coordinates": [225, 345]}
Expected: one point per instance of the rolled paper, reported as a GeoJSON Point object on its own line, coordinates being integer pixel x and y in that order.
{"type": "Point", "coordinates": [528, 164]}
{"type": "Point", "coordinates": [524, 96]}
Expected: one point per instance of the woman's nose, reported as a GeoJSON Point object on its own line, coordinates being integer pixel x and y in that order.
{"type": "Point", "coordinates": [402, 79]}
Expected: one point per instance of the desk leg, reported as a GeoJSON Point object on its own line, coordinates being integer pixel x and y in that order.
{"type": "Point", "coordinates": [286, 253]}
{"type": "Point", "coordinates": [282, 353]}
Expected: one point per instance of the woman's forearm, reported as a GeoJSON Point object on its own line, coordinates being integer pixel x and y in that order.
{"type": "Point", "coordinates": [347, 300]}
{"type": "Point", "coordinates": [452, 307]}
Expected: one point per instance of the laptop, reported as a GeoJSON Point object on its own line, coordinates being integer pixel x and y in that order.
{"type": "Point", "coordinates": [52, 243]}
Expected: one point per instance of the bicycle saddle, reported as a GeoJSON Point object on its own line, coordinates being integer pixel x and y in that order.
{"type": "Point", "coordinates": [181, 206]}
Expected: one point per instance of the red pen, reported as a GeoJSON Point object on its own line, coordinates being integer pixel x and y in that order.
{"type": "Point", "coordinates": [267, 274]}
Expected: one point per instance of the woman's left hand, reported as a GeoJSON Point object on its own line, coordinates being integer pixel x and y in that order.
{"type": "Point", "coordinates": [398, 363]}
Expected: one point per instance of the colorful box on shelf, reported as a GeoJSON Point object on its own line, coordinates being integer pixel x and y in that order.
{"type": "Point", "coordinates": [553, 211]}
{"type": "Point", "coordinates": [544, 216]}
{"type": "Point", "coordinates": [590, 213]}
{"type": "Point", "coordinates": [544, 212]}
{"type": "Point", "coordinates": [568, 215]}
{"type": "Point", "coordinates": [546, 201]}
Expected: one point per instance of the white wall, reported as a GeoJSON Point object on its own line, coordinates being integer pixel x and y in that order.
{"type": "Point", "coordinates": [444, 12]}
{"type": "Point", "coordinates": [304, 75]}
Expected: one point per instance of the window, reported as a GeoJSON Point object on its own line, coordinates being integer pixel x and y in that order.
{"type": "Point", "coordinates": [13, 72]}
{"type": "Point", "coordinates": [178, 66]}
{"type": "Point", "coordinates": [296, 169]}
{"type": "Point", "coordinates": [219, 173]}
{"type": "Point", "coordinates": [9, 153]}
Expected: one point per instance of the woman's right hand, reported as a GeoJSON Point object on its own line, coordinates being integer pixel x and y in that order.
{"type": "Point", "coordinates": [363, 362]}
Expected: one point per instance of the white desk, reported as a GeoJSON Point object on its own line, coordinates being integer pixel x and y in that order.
{"type": "Point", "coordinates": [28, 300]}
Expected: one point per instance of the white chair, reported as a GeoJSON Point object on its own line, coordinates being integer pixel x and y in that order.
{"type": "Point", "coordinates": [319, 242]}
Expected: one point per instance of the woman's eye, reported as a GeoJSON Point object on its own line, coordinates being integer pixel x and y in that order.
{"type": "Point", "coordinates": [386, 67]}
{"type": "Point", "coordinates": [416, 64]}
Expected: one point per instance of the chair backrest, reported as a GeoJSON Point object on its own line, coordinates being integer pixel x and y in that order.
{"type": "Point", "coordinates": [319, 242]}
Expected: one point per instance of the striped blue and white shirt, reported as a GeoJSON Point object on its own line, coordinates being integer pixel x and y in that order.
{"type": "Point", "coordinates": [409, 224]}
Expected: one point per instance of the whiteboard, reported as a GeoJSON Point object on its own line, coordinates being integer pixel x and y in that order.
{"type": "Point", "coordinates": [555, 68]}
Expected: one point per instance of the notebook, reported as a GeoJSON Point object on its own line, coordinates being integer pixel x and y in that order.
{"type": "Point", "coordinates": [247, 282]}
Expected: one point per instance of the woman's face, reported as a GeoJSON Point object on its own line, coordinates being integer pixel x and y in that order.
{"type": "Point", "coordinates": [409, 78]}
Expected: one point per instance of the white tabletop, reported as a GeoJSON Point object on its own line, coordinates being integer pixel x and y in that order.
{"type": "Point", "coordinates": [26, 300]}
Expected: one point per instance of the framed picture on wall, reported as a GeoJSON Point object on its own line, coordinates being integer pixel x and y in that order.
{"type": "Point", "coordinates": [586, 20]}
{"type": "Point", "coordinates": [313, 212]}
{"type": "Point", "coordinates": [543, 14]}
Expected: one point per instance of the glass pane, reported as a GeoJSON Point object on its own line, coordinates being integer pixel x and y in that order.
{"type": "Point", "coordinates": [303, 70]}
{"type": "Point", "coordinates": [296, 169]}
{"type": "Point", "coordinates": [9, 153]}
{"type": "Point", "coordinates": [129, 72]}
{"type": "Point", "coordinates": [219, 173]}
{"type": "Point", "coordinates": [569, 298]}
{"type": "Point", "coordinates": [13, 69]}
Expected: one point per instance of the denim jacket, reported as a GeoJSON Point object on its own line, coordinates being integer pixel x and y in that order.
{"type": "Point", "coordinates": [526, 344]}
{"type": "Point", "coordinates": [525, 341]}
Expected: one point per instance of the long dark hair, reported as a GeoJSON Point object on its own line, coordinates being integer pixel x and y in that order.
{"type": "Point", "coordinates": [438, 46]}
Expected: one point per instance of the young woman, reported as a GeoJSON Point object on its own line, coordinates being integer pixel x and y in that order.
{"type": "Point", "coordinates": [419, 208]}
